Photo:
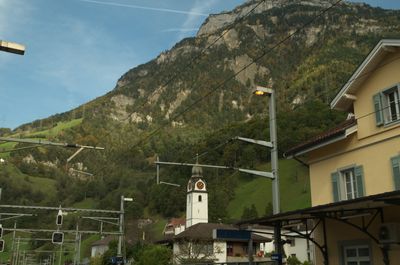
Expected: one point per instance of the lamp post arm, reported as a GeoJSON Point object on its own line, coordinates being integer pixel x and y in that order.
{"type": "Point", "coordinates": [253, 141]}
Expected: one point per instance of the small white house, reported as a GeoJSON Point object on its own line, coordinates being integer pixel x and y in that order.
{"type": "Point", "coordinates": [100, 246]}
{"type": "Point", "coordinates": [295, 246]}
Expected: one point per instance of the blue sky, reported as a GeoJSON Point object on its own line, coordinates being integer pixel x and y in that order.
{"type": "Point", "coordinates": [77, 49]}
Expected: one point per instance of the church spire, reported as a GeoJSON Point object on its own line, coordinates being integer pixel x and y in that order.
{"type": "Point", "coordinates": [196, 198]}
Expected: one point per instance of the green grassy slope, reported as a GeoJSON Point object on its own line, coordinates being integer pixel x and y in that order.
{"type": "Point", "coordinates": [60, 126]}
{"type": "Point", "coordinates": [36, 183]}
{"type": "Point", "coordinates": [5, 147]}
{"type": "Point", "coordinates": [294, 189]}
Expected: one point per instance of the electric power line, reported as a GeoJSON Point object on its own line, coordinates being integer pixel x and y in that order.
{"type": "Point", "coordinates": [195, 103]}
{"type": "Point", "coordinates": [191, 62]}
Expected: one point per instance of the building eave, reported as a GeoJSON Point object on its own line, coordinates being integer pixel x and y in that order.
{"type": "Point", "coordinates": [363, 203]}
{"type": "Point", "coordinates": [341, 101]}
{"type": "Point", "coordinates": [339, 134]}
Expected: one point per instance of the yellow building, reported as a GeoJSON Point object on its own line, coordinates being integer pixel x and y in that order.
{"type": "Point", "coordinates": [355, 169]}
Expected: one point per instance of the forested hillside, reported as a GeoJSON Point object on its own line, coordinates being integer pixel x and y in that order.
{"type": "Point", "coordinates": [192, 100]}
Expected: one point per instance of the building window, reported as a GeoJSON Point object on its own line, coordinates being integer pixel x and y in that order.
{"type": "Point", "coordinates": [357, 255]}
{"type": "Point", "coordinates": [200, 198]}
{"type": "Point", "coordinates": [348, 183]}
{"type": "Point", "coordinates": [229, 249]}
{"type": "Point", "coordinates": [245, 248]}
{"type": "Point", "coordinates": [203, 248]}
{"type": "Point", "coordinates": [387, 106]}
{"type": "Point", "coordinates": [392, 105]}
{"type": "Point", "coordinates": [209, 249]}
{"type": "Point", "coordinates": [291, 241]}
{"type": "Point", "coordinates": [396, 171]}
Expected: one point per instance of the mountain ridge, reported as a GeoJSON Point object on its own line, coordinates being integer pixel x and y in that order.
{"type": "Point", "coordinates": [194, 97]}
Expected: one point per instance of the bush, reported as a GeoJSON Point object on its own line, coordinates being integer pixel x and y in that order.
{"type": "Point", "coordinates": [292, 260]}
{"type": "Point", "coordinates": [155, 255]}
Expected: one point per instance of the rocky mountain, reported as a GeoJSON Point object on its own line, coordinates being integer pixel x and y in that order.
{"type": "Point", "coordinates": [196, 95]}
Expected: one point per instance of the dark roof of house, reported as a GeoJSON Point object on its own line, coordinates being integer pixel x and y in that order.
{"type": "Point", "coordinates": [330, 134]}
{"type": "Point", "coordinates": [341, 208]}
{"type": "Point", "coordinates": [104, 241]}
{"type": "Point", "coordinates": [204, 232]}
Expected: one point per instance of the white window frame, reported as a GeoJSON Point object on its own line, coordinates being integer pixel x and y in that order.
{"type": "Point", "coordinates": [386, 104]}
{"type": "Point", "coordinates": [358, 259]}
{"type": "Point", "coordinates": [345, 175]}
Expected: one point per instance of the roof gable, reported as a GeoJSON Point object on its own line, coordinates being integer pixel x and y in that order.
{"type": "Point", "coordinates": [343, 99]}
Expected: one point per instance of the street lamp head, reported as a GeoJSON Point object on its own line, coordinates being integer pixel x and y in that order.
{"type": "Point", "coordinates": [12, 47]}
{"type": "Point", "coordinates": [262, 91]}
{"type": "Point", "coordinates": [128, 199]}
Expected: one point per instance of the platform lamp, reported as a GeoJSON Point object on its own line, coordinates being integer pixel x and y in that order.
{"type": "Point", "coordinates": [270, 93]}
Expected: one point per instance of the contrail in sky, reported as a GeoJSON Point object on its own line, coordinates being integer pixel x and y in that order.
{"type": "Point", "coordinates": [146, 8]}
{"type": "Point", "coordinates": [180, 29]}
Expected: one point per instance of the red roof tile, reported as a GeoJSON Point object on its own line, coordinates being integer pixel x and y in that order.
{"type": "Point", "coordinates": [322, 137]}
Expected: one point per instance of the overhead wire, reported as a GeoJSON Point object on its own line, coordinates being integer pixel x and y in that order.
{"type": "Point", "coordinates": [217, 87]}
{"type": "Point", "coordinates": [202, 52]}
{"type": "Point", "coordinates": [349, 81]}
{"type": "Point", "coordinates": [191, 62]}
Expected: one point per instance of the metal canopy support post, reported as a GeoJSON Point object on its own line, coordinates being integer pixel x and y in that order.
{"type": "Point", "coordinates": [364, 228]}
{"type": "Point", "coordinates": [325, 246]}
{"type": "Point", "coordinates": [250, 250]}
{"type": "Point", "coordinates": [308, 237]}
{"type": "Point", "coordinates": [278, 242]}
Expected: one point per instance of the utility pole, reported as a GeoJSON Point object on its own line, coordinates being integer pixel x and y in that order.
{"type": "Point", "coordinates": [264, 91]}
{"type": "Point", "coordinates": [13, 243]}
{"type": "Point", "coordinates": [17, 253]}
{"type": "Point", "coordinates": [121, 225]}
{"type": "Point", "coordinates": [76, 258]}
{"type": "Point", "coordinates": [61, 251]}
{"type": "Point", "coordinates": [121, 228]}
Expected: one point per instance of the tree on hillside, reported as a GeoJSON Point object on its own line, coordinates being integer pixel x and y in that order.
{"type": "Point", "coordinates": [249, 212]}
{"type": "Point", "coordinates": [269, 209]}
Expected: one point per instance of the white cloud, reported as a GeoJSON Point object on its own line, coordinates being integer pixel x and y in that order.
{"type": "Point", "coordinates": [168, 10]}
{"type": "Point", "coordinates": [180, 30]}
{"type": "Point", "coordinates": [85, 62]}
{"type": "Point", "coordinates": [200, 6]}
{"type": "Point", "coordinates": [12, 16]}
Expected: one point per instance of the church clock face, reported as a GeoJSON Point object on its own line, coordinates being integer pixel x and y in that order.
{"type": "Point", "coordinates": [200, 185]}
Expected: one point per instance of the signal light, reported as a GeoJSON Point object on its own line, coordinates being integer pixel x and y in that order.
{"type": "Point", "coordinates": [59, 219]}
{"type": "Point", "coordinates": [2, 245]}
{"type": "Point", "coordinates": [57, 238]}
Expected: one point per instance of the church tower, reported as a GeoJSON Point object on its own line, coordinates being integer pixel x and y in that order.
{"type": "Point", "coordinates": [196, 199]}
